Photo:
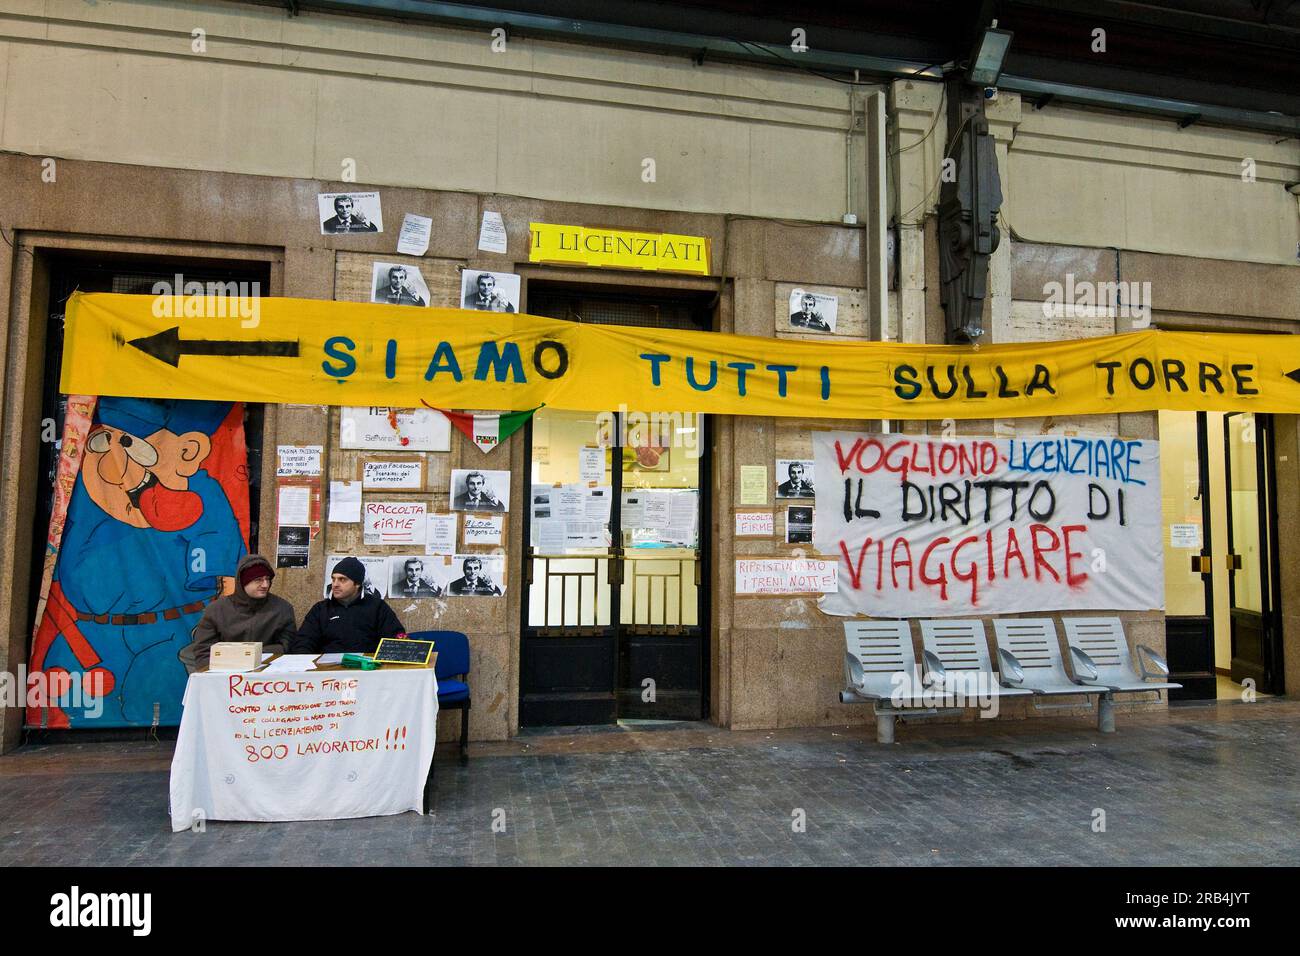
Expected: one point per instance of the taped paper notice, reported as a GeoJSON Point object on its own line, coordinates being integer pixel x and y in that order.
{"type": "Point", "coordinates": [754, 524]}
{"type": "Point", "coordinates": [492, 233]}
{"type": "Point", "coordinates": [776, 576]}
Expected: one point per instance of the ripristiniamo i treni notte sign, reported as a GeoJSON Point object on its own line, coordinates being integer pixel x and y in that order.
{"type": "Point", "coordinates": [923, 527]}
{"type": "Point", "coordinates": [344, 353]}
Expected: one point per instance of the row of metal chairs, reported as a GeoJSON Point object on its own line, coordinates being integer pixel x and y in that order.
{"type": "Point", "coordinates": [880, 664]}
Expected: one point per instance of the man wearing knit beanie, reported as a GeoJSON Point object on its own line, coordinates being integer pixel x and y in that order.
{"type": "Point", "coordinates": [351, 620]}
{"type": "Point", "coordinates": [251, 613]}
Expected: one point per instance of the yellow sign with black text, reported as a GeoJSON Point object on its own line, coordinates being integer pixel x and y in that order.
{"type": "Point", "coordinates": [617, 248]}
{"type": "Point", "coordinates": [345, 353]}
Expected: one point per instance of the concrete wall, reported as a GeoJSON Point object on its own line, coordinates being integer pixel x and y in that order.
{"type": "Point", "coordinates": [416, 105]}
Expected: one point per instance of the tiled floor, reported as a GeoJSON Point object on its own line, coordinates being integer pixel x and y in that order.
{"type": "Point", "coordinates": [1204, 784]}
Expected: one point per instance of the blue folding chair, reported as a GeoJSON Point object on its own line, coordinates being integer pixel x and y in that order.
{"type": "Point", "coordinates": [451, 670]}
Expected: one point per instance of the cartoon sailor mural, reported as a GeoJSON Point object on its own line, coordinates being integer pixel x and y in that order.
{"type": "Point", "coordinates": [151, 539]}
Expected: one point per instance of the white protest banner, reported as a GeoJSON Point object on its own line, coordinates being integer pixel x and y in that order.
{"type": "Point", "coordinates": [929, 528]}
{"type": "Point", "coordinates": [394, 522]}
{"type": "Point", "coordinates": [785, 576]}
{"type": "Point", "coordinates": [314, 746]}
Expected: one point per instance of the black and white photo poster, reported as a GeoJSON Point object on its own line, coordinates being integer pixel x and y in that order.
{"type": "Point", "coordinates": [794, 478]}
{"type": "Point", "coordinates": [349, 212]}
{"type": "Point", "coordinates": [489, 291]}
{"type": "Point", "coordinates": [813, 311]}
{"type": "Point", "coordinates": [393, 283]}
{"type": "Point", "coordinates": [475, 490]}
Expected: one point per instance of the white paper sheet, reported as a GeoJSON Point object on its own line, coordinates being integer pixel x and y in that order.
{"type": "Point", "coordinates": [591, 464]}
{"type": "Point", "coordinates": [492, 233]}
{"type": "Point", "coordinates": [291, 664]}
{"type": "Point", "coordinates": [295, 504]}
{"type": "Point", "coordinates": [440, 534]}
{"type": "Point", "coordinates": [413, 240]}
{"type": "Point", "coordinates": [345, 502]}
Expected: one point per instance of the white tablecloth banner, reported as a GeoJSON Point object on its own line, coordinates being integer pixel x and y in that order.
{"type": "Point", "coordinates": [318, 745]}
{"type": "Point", "coordinates": [926, 527]}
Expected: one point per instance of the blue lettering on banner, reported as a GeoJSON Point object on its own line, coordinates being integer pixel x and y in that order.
{"type": "Point", "coordinates": [501, 360]}
{"type": "Point", "coordinates": [333, 348]}
{"type": "Point", "coordinates": [1114, 458]}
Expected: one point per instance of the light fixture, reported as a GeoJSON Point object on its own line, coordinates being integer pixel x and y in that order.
{"type": "Point", "coordinates": [987, 57]}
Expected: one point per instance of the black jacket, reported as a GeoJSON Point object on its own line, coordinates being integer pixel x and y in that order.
{"type": "Point", "coordinates": [332, 628]}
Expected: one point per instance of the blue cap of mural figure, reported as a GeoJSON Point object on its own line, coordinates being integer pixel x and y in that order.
{"type": "Point", "coordinates": [144, 416]}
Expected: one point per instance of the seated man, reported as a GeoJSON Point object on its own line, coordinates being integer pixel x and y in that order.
{"type": "Point", "coordinates": [350, 620]}
{"type": "Point", "coordinates": [250, 613]}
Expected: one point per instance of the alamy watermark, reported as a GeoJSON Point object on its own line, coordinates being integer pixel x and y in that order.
{"type": "Point", "coordinates": [951, 690]}
{"type": "Point", "coordinates": [1086, 299]}
{"type": "Point", "coordinates": [179, 299]}
{"type": "Point", "coordinates": [649, 434]}
{"type": "Point", "coordinates": [54, 688]}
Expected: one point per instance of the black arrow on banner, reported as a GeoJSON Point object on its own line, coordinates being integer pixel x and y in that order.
{"type": "Point", "coordinates": [168, 347]}
{"type": "Point", "coordinates": [1293, 375]}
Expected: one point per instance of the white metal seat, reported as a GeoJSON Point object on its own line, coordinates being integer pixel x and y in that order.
{"type": "Point", "coordinates": [1100, 658]}
{"type": "Point", "coordinates": [1034, 650]}
{"type": "Point", "coordinates": [875, 654]}
{"type": "Point", "coordinates": [955, 648]}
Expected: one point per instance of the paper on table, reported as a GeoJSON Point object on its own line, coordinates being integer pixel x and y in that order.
{"type": "Point", "coordinates": [329, 659]}
{"type": "Point", "coordinates": [291, 664]}
{"type": "Point", "coordinates": [345, 502]}
{"type": "Point", "coordinates": [492, 233]}
{"type": "Point", "coordinates": [295, 504]}
{"type": "Point", "coordinates": [413, 240]}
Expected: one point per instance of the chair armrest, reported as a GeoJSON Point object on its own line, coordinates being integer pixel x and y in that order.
{"type": "Point", "coordinates": [935, 672]}
{"type": "Point", "coordinates": [1085, 670]}
{"type": "Point", "coordinates": [853, 670]}
{"type": "Point", "coordinates": [1160, 667]}
{"type": "Point", "coordinates": [1009, 669]}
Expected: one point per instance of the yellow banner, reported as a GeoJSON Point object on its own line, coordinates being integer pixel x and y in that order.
{"type": "Point", "coordinates": [617, 248]}
{"type": "Point", "coordinates": [344, 353]}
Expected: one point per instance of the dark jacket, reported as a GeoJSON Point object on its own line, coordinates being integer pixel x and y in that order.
{"type": "Point", "coordinates": [238, 617]}
{"type": "Point", "coordinates": [331, 627]}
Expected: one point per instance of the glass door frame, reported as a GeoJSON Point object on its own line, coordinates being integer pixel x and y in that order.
{"type": "Point", "coordinates": [1268, 676]}
{"type": "Point", "coordinates": [594, 705]}
{"type": "Point", "coordinates": [1189, 639]}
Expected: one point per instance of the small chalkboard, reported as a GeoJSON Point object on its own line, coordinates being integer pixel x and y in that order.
{"type": "Point", "coordinates": [400, 650]}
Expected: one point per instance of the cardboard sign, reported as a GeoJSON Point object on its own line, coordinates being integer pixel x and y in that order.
{"type": "Point", "coordinates": [394, 522]}
{"type": "Point", "coordinates": [781, 576]}
{"type": "Point", "coordinates": [754, 524]}
{"type": "Point", "coordinates": [483, 529]}
{"type": "Point", "coordinates": [392, 474]}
